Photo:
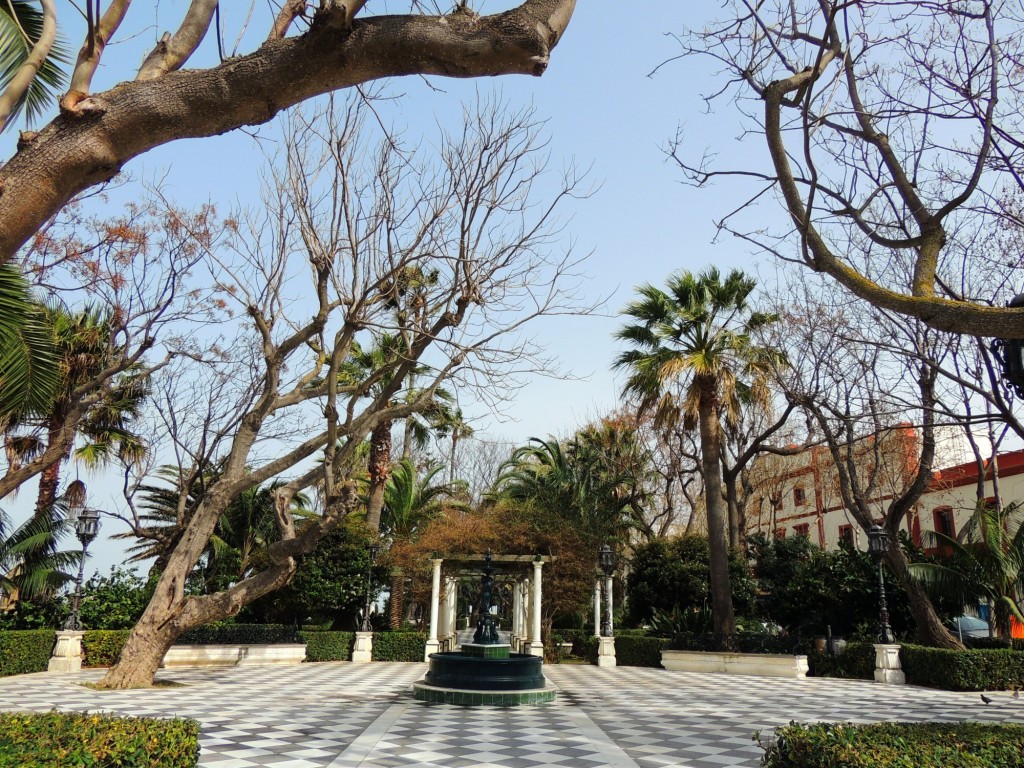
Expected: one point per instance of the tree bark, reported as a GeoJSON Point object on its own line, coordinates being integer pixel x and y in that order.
{"type": "Point", "coordinates": [396, 607]}
{"type": "Point", "coordinates": [380, 471]}
{"type": "Point", "coordinates": [89, 145]}
{"type": "Point", "coordinates": [929, 626]}
{"type": "Point", "coordinates": [710, 437]}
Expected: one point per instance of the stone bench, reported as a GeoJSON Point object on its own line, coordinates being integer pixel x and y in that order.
{"type": "Point", "coordinates": [233, 655]}
{"type": "Point", "coordinates": [763, 664]}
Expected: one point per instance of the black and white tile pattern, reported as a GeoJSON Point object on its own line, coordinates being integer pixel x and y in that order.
{"type": "Point", "coordinates": [341, 715]}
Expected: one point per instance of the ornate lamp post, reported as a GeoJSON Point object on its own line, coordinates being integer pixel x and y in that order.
{"type": "Point", "coordinates": [878, 545]}
{"type": "Point", "coordinates": [374, 550]}
{"type": "Point", "coordinates": [87, 525]}
{"type": "Point", "coordinates": [606, 559]}
{"type": "Point", "coordinates": [1010, 354]}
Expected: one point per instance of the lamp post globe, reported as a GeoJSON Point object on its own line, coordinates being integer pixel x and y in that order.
{"type": "Point", "coordinates": [87, 527]}
{"type": "Point", "coordinates": [1010, 354]}
{"type": "Point", "coordinates": [878, 545]}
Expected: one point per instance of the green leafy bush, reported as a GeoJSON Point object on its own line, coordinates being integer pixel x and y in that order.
{"type": "Point", "coordinates": [76, 740]}
{"type": "Point", "coordinates": [115, 601]}
{"type": "Point", "coordinates": [896, 745]}
{"type": "Point", "coordinates": [857, 661]}
{"type": "Point", "coordinates": [329, 646]}
{"type": "Point", "coordinates": [399, 646]}
{"type": "Point", "coordinates": [241, 634]}
{"type": "Point", "coordinates": [101, 646]}
{"type": "Point", "coordinates": [970, 670]}
{"type": "Point", "coordinates": [633, 651]}
{"type": "Point", "coordinates": [670, 573]}
{"type": "Point", "coordinates": [25, 650]}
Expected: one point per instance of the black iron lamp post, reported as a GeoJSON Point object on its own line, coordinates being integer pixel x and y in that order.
{"type": "Point", "coordinates": [606, 559]}
{"type": "Point", "coordinates": [1010, 354]}
{"type": "Point", "coordinates": [87, 526]}
{"type": "Point", "coordinates": [374, 550]}
{"type": "Point", "coordinates": [878, 545]}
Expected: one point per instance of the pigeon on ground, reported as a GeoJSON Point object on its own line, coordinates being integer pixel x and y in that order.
{"type": "Point", "coordinates": [986, 699]}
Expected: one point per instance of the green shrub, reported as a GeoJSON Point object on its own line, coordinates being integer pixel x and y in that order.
{"type": "Point", "coordinates": [76, 740]}
{"type": "Point", "coordinates": [399, 646]}
{"type": "Point", "coordinates": [25, 650]}
{"type": "Point", "coordinates": [101, 646]}
{"type": "Point", "coordinates": [634, 651]}
{"type": "Point", "coordinates": [329, 646]}
{"type": "Point", "coordinates": [951, 670]}
{"type": "Point", "coordinates": [896, 745]}
{"type": "Point", "coordinates": [241, 634]}
{"type": "Point", "coordinates": [857, 661]}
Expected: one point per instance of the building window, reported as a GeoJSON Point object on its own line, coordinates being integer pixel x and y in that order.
{"type": "Point", "coordinates": [804, 529]}
{"type": "Point", "coordinates": [944, 524]}
{"type": "Point", "coordinates": [846, 534]}
{"type": "Point", "coordinates": [780, 533]}
{"type": "Point", "coordinates": [798, 496]}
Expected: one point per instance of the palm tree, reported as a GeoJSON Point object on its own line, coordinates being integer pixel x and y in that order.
{"type": "Point", "coordinates": [595, 481]}
{"type": "Point", "coordinates": [411, 500]}
{"type": "Point", "coordinates": [984, 564]}
{"type": "Point", "coordinates": [83, 342]}
{"type": "Point", "coordinates": [30, 564]}
{"type": "Point", "coordinates": [28, 358]}
{"type": "Point", "coordinates": [30, 55]}
{"type": "Point", "coordinates": [693, 359]}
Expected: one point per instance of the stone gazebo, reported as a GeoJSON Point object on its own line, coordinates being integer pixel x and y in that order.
{"type": "Point", "coordinates": [522, 572]}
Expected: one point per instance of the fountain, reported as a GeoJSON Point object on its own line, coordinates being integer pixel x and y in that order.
{"type": "Point", "coordinates": [484, 672]}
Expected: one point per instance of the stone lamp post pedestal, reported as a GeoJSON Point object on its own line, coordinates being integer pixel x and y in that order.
{"type": "Point", "coordinates": [67, 653]}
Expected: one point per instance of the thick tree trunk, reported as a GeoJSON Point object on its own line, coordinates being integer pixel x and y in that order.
{"type": "Point", "coordinates": [380, 471]}
{"type": "Point", "coordinates": [929, 626]}
{"type": "Point", "coordinates": [721, 593]}
{"type": "Point", "coordinates": [92, 141]}
{"type": "Point", "coordinates": [396, 609]}
{"type": "Point", "coordinates": [49, 479]}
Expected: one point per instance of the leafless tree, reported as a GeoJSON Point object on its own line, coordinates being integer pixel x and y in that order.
{"type": "Point", "coordinates": [135, 271]}
{"type": "Point", "coordinates": [436, 261]}
{"type": "Point", "coordinates": [337, 47]}
{"type": "Point", "coordinates": [886, 127]}
{"type": "Point", "coordinates": [873, 405]}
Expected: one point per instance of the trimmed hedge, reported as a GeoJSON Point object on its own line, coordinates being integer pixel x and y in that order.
{"type": "Point", "coordinates": [77, 740]}
{"type": "Point", "coordinates": [399, 646]}
{"type": "Point", "coordinates": [241, 634]}
{"type": "Point", "coordinates": [101, 646]}
{"type": "Point", "coordinates": [896, 745]}
{"type": "Point", "coordinates": [857, 661]}
{"type": "Point", "coordinates": [951, 670]}
{"type": "Point", "coordinates": [329, 646]}
{"type": "Point", "coordinates": [23, 651]}
{"type": "Point", "coordinates": [637, 651]}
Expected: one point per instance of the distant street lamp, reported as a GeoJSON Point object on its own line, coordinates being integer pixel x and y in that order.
{"type": "Point", "coordinates": [606, 559]}
{"type": "Point", "coordinates": [878, 545]}
{"type": "Point", "coordinates": [87, 525]}
{"type": "Point", "coordinates": [1010, 354]}
{"type": "Point", "coordinates": [374, 550]}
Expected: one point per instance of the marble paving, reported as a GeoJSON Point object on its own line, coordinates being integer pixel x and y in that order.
{"type": "Point", "coordinates": [342, 715]}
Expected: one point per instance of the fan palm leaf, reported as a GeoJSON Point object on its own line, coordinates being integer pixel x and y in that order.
{"type": "Point", "coordinates": [21, 25]}
{"type": "Point", "coordinates": [29, 372]}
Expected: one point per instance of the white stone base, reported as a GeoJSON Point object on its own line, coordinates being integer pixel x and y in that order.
{"type": "Point", "coordinates": [762, 664]}
{"type": "Point", "coordinates": [67, 653]}
{"type": "Point", "coordinates": [433, 646]}
{"type": "Point", "coordinates": [887, 665]}
{"type": "Point", "coordinates": [533, 649]}
{"type": "Point", "coordinates": [606, 652]}
{"type": "Point", "coordinates": [233, 655]}
{"type": "Point", "coordinates": [362, 651]}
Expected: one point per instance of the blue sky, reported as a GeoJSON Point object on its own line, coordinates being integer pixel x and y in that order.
{"type": "Point", "coordinates": [602, 110]}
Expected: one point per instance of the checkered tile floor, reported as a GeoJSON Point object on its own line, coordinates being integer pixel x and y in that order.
{"type": "Point", "coordinates": [342, 715]}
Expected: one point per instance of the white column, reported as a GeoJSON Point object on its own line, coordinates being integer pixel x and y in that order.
{"type": "Point", "coordinates": [444, 629]}
{"type": "Point", "coordinates": [517, 608]}
{"type": "Point", "coordinates": [435, 595]}
{"type": "Point", "coordinates": [450, 608]}
{"type": "Point", "coordinates": [536, 646]}
{"type": "Point", "coordinates": [597, 607]}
